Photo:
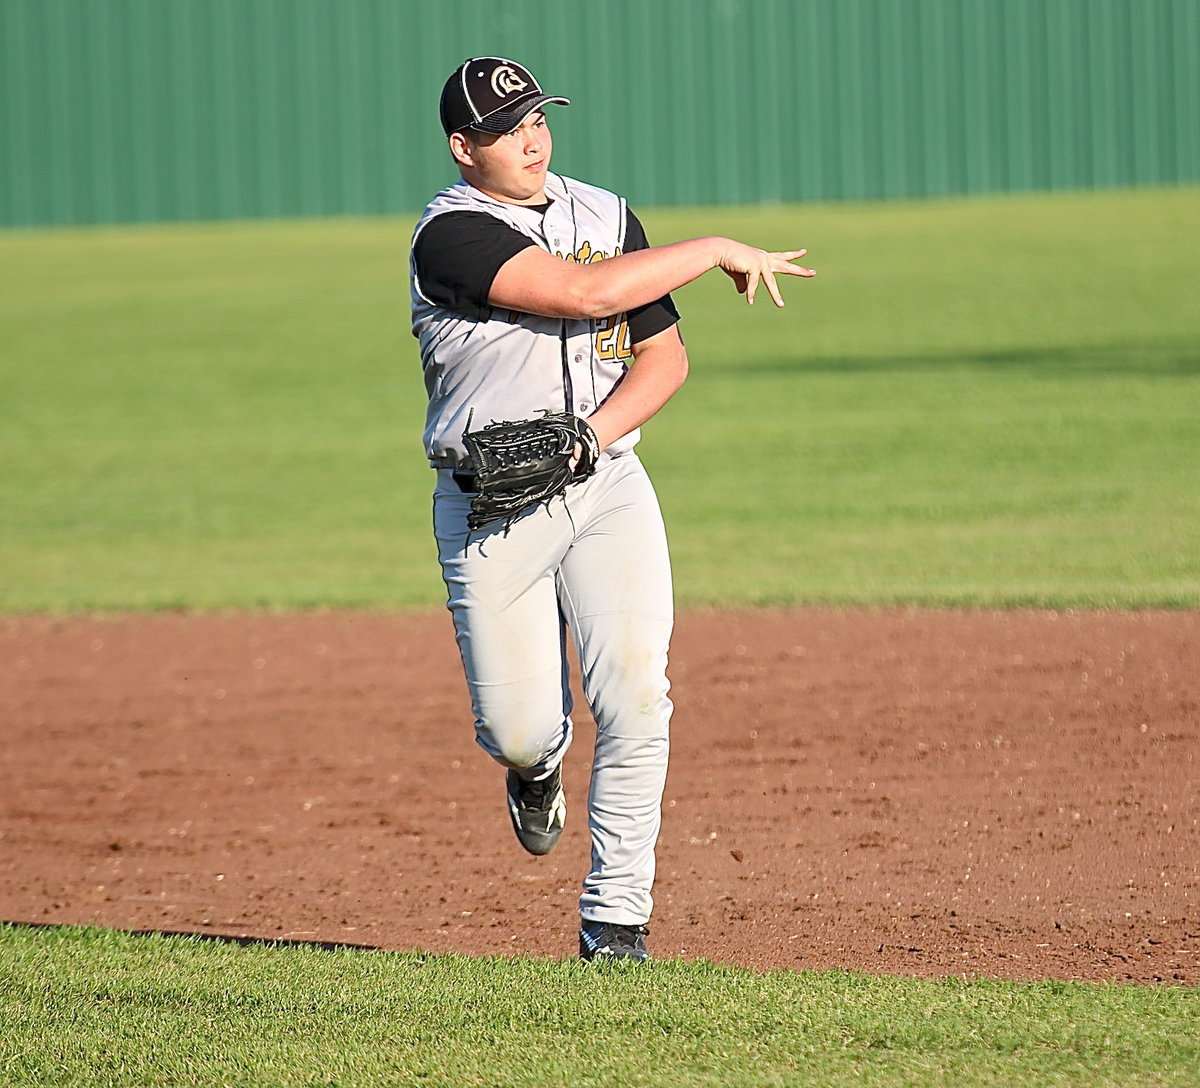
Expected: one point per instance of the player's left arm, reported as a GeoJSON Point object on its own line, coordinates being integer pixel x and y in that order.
{"type": "Point", "coordinates": [660, 365]}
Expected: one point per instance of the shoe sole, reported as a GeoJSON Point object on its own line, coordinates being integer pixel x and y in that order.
{"type": "Point", "coordinates": [536, 842]}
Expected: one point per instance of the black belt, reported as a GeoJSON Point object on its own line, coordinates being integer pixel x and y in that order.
{"type": "Point", "coordinates": [467, 482]}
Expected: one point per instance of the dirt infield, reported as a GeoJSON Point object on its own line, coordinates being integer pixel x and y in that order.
{"type": "Point", "coordinates": [1003, 794]}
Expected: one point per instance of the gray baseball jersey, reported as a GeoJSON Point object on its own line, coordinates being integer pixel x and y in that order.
{"type": "Point", "coordinates": [593, 562]}
{"type": "Point", "coordinates": [513, 365]}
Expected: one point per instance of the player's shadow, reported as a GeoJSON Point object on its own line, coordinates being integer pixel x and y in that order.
{"type": "Point", "coordinates": [207, 937]}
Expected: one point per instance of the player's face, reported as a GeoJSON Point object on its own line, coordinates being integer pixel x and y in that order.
{"type": "Point", "coordinates": [512, 167]}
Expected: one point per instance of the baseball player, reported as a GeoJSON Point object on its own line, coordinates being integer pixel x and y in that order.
{"type": "Point", "coordinates": [536, 295]}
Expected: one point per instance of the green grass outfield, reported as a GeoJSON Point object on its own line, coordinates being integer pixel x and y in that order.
{"type": "Point", "coordinates": [87, 1007]}
{"type": "Point", "coordinates": [981, 402]}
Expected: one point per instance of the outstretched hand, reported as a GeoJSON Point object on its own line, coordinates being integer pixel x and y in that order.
{"type": "Point", "coordinates": [748, 267]}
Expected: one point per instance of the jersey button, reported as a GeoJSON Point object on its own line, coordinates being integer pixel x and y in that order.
{"type": "Point", "coordinates": [584, 406]}
{"type": "Point", "coordinates": [579, 358]}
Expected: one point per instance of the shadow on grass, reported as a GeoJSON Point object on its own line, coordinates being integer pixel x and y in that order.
{"type": "Point", "coordinates": [1164, 359]}
{"type": "Point", "coordinates": [207, 936]}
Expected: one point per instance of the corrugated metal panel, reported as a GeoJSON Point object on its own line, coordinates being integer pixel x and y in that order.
{"type": "Point", "coordinates": [128, 110]}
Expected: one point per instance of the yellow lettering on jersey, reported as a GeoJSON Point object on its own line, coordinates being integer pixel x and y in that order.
{"type": "Point", "coordinates": [584, 254]}
{"type": "Point", "coordinates": [612, 335]}
{"type": "Point", "coordinates": [612, 338]}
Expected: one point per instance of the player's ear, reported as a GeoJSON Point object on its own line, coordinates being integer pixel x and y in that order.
{"type": "Point", "coordinates": [461, 149]}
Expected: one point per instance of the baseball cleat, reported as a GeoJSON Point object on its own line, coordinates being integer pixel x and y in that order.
{"type": "Point", "coordinates": [608, 941]}
{"type": "Point", "coordinates": [538, 810]}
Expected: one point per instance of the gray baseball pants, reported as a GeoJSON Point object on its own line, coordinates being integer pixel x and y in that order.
{"type": "Point", "coordinates": [593, 563]}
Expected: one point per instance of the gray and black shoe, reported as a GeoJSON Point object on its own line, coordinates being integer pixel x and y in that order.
{"type": "Point", "coordinates": [608, 941]}
{"type": "Point", "coordinates": [538, 810]}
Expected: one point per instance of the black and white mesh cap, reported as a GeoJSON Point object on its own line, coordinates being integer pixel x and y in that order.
{"type": "Point", "coordinates": [491, 94]}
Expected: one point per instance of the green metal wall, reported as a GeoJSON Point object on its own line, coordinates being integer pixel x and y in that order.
{"type": "Point", "coordinates": [130, 110]}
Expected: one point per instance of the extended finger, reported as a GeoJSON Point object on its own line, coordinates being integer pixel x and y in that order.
{"type": "Point", "coordinates": [751, 285]}
{"type": "Point", "coordinates": [781, 264]}
{"type": "Point", "coordinates": [768, 278]}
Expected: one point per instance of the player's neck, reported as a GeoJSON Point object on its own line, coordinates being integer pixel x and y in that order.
{"type": "Point", "coordinates": [504, 196]}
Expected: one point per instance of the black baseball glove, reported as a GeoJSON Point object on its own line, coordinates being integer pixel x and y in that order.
{"type": "Point", "coordinates": [518, 464]}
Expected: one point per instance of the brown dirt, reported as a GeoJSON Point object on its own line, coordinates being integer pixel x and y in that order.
{"type": "Point", "coordinates": [1002, 794]}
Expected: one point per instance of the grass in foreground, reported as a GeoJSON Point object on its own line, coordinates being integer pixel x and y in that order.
{"type": "Point", "coordinates": [987, 401]}
{"type": "Point", "coordinates": [102, 1008]}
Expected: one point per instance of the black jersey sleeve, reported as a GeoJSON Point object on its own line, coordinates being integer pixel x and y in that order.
{"type": "Point", "coordinates": [456, 257]}
{"type": "Point", "coordinates": [651, 319]}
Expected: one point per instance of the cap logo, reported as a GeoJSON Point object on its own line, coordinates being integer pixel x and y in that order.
{"type": "Point", "coordinates": [505, 81]}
